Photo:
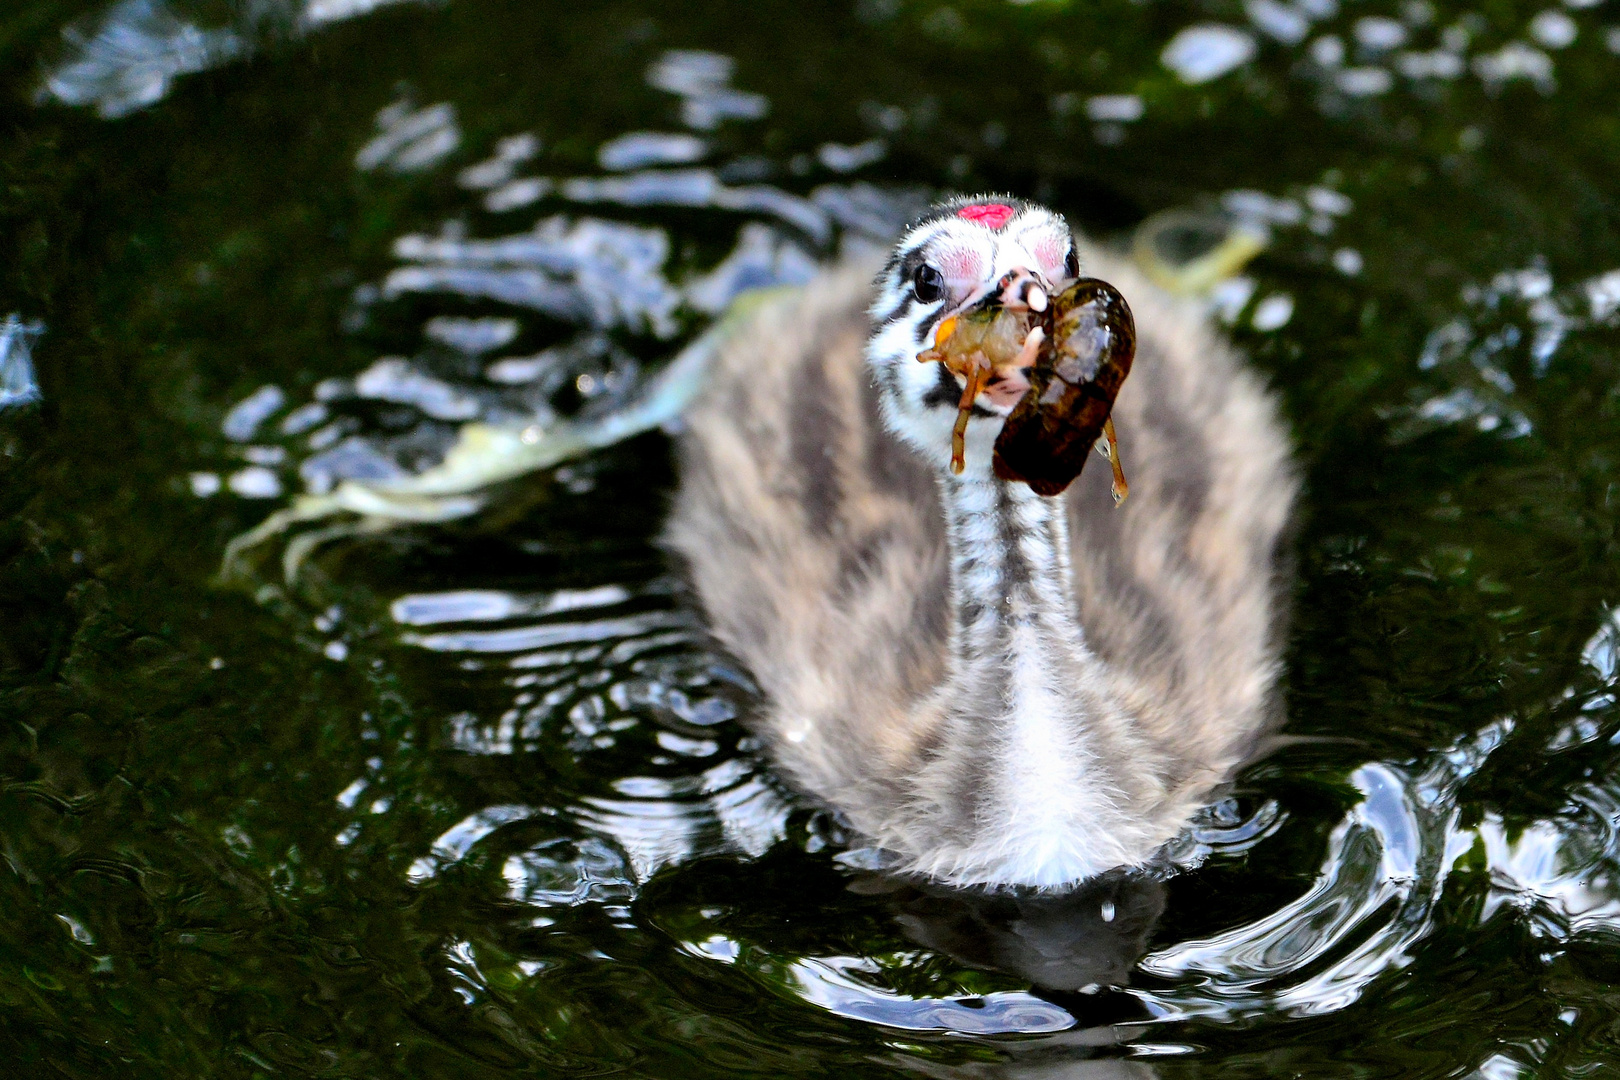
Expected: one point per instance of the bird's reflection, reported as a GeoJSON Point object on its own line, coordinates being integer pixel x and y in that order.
{"type": "Point", "coordinates": [1080, 940]}
{"type": "Point", "coordinates": [1068, 946]}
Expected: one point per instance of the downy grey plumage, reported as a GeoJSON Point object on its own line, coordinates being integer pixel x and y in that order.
{"type": "Point", "coordinates": [996, 687]}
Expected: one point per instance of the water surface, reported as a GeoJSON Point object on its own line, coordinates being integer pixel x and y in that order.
{"type": "Point", "coordinates": [471, 798]}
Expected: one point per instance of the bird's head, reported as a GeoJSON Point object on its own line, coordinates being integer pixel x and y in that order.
{"type": "Point", "coordinates": [962, 254]}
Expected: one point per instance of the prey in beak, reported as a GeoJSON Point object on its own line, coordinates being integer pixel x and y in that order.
{"type": "Point", "coordinates": [991, 345]}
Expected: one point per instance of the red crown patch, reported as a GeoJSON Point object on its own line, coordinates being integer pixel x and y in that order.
{"type": "Point", "coordinates": [994, 215]}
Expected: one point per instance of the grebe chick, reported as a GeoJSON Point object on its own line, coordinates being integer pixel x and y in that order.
{"type": "Point", "coordinates": [996, 687]}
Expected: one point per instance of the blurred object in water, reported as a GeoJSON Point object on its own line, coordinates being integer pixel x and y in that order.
{"type": "Point", "coordinates": [1189, 252]}
{"type": "Point", "coordinates": [639, 149]}
{"type": "Point", "coordinates": [132, 56]}
{"type": "Point", "coordinates": [129, 60]}
{"type": "Point", "coordinates": [702, 80]}
{"type": "Point", "coordinates": [242, 422]}
{"type": "Point", "coordinates": [603, 273]}
{"type": "Point", "coordinates": [410, 140]}
{"type": "Point", "coordinates": [18, 386]}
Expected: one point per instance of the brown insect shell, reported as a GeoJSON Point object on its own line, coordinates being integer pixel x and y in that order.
{"type": "Point", "coordinates": [1050, 433]}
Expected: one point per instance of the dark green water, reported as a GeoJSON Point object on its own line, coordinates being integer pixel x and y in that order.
{"type": "Point", "coordinates": [469, 800]}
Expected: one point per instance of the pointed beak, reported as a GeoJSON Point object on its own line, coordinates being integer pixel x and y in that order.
{"type": "Point", "coordinates": [1022, 289]}
{"type": "Point", "coordinates": [1019, 289]}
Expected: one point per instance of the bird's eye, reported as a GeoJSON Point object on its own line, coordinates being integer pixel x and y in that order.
{"type": "Point", "coordinates": [928, 283]}
{"type": "Point", "coordinates": [1071, 264]}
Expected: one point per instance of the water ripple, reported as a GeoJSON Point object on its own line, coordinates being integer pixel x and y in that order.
{"type": "Point", "coordinates": [1318, 954]}
{"type": "Point", "coordinates": [836, 984]}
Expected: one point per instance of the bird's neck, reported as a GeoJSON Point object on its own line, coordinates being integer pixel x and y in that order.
{"type": "Point", "coordinates": [1009, 571]}
{"type": "Point", "coordinates": [1035, 739]}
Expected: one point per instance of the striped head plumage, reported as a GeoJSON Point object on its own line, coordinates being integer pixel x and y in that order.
{"type": "Point", "coordinates": [955, 257]}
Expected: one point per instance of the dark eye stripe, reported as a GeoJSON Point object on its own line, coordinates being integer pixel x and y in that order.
{"type": "Point", "coordinates": [904, 261]}
{"type": "Point", "coordinates": [903, 311]}
{"type": "Point", "coordinates": [900, 311]}
{"type": "Point", "coordinates": [910, 263]}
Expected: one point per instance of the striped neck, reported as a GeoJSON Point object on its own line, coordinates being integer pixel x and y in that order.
{"type": "Point", "coordinates": [1039, 744]}
{"type": "Point", "coordinates": [1009, 567]}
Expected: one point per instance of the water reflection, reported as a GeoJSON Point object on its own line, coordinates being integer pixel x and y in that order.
{"type": "Point", "coordinates": [583, 680]}
{"type": "Point", "coordinates": [702, 81]}
{"type": "Point", "coordinates": [601, 273]}
{"type": "Point", "coordinates": [1513, 326]}
{"type": "Point", "coordinates": [587, 672]}
{"type": "Point", "coordinates": [1318, 954]}
{"type": "Point", "coordinates": [18, 385]}
{"type": "Point", "coordinates": [410, 140]}
{"type": "Point", "coordinates": [572, 753]}
{"type": "Point", "coordinates": [841, 986]}
{"type": "Point", "coordinates": [614, 677]}
{"type": "Point", "coordinates": [128, 58]}
{"type": "Point", "coordinates": [1081, 941]}
{"type": "Point", "coordinates": [609, 279]}
{"type": "Point", "coordinates": [612, 670]}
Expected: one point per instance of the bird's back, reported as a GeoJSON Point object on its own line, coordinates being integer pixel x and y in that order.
{"type": "Point", "coordinates": [816, 542]}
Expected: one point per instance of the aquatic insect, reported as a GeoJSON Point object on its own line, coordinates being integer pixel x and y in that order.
{"type": "Point", "coordinates": [1087, 356]}
{"type": "Point", "coordinates": [1073, 350]}
{"type": "Point", "coordinates": [993, 341]}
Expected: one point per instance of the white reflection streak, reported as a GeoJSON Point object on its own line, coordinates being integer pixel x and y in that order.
{"type": "Point", "coordinates": [698, 187]}
{"type": "Point", "coordinates": [1530, 870]}
{"type": "Point", "coordinates": [1414, 825]}
{"type": "Point", "coordinates": [638, 149]}
{"type": "Point", "coordinates": [410, 141]}
{"type": "Point", "coordinates": [320, 12]}
{"type": "Point", "coordinates": [491, 605]}
{"type": "Point", "coordinates": [18, 384]}
{"type": "Point", "coordinates": [702, 79]}
{"type": "Point", "coordinates": [652, 832]}
{"type": "Point", "coordinates": [563, 872]}
{"type": "Point", "coordinates": [133, 56]}
{"type": "Point", "coordinates": [833, 983]}
{"type": "Point", "coordinates": [1201, 53]}
{"type": "Point", "coordinates": [543, 636]}
{"type": "Point", "coordinates": [752, 815]}
{"type": "Point", "coordinates": [456, 841]}
{"type": "Point", "coordinates": [1602, 650]}
{"type": "Point", "coordinates": [393, 378]}
{"type": "Point", "coordinates": [140, 47]}
{"type": "Point", "coordinates": [602, 272]}
{"type": "Point", "coordinates": [761, 258]}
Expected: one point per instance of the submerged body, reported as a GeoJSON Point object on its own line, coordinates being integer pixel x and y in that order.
{"type": "Point", "coordinates": [995, 686]}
